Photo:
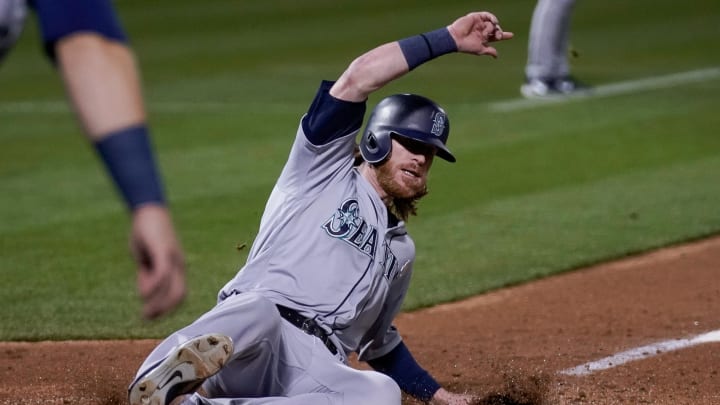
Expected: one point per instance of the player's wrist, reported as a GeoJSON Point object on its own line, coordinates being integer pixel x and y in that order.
{"type": "Point", "coordinates": [421, 48]}
{"type": "Point", "coordinates": [129, 159]}
{"type": "Point", "coordinates": [400, 365]}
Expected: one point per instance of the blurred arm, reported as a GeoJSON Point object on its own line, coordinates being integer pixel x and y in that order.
{"type": "Point", "coordinates": [102, 82]}
{"type": "Point", "coordinates": [103, 85]}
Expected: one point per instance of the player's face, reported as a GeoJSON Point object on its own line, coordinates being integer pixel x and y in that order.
{"type": "Point", "coordinates": [404, 174]}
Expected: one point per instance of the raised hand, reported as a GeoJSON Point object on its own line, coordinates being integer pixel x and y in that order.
{"type": "Point", "coordinates": [475, 31]}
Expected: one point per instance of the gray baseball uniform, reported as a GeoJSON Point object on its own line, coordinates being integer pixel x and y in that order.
{"type": "Point", "coordinates": [328, 249]}
{"type": "Point", "coordinates": [549, 39]}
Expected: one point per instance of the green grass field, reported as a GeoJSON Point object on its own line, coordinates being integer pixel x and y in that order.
{"type": "Point", "coordinates": [536, 190]}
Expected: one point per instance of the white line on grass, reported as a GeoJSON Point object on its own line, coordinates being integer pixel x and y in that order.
{"type": "Point", "coordinates": [612, 89]}
{"type": "Point", "coordinates": [32, 107]}
{"type": "Point", "coordinates": [606, 90]}
{"type": "Point", "coordinates": [177, 107]}
{"type": "Point", "coordinates": [643, 352]}
{"type": "Point", "coordinates": [170, 107]}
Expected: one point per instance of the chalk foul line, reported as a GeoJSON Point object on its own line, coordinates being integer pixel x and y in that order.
{"type": "Point", "coordinates": [605, 90]}
{"type": "Point", "coordinates": [643, 352]}
{"type": "Point", "coordinates": [612, 89]}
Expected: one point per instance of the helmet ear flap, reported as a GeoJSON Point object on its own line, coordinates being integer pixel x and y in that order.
{"type": "Point", "coordinates": [372, 144]}
{"type": "Point", "coordinates": [375, 146]}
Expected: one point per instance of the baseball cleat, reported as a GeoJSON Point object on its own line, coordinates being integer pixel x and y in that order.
{"type": "Point", "coordinates": [183, 371]}
{"type": "Point", "coordinates": [557, 87]}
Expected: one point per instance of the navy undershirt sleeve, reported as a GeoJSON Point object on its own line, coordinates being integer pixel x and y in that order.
{"type": "Point", "coordinates": [329, 118]}
{"type": "Point", "coordinates": [59, 18]}
{"type": "Point", "coordinates": [400, 365]}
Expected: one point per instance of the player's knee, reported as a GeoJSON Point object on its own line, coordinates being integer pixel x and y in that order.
{"type": "Point", "coordinates": [379, 389]}
{"type": "Point", "coordinates": [258, 315]}
{"type": "Point", "coordinates": [269, 320]}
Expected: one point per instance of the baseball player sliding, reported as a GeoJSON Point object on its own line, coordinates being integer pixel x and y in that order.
{"type": "Point", "coordinates": [332, 261]}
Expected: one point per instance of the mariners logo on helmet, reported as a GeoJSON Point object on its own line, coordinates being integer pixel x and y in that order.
{"type": "Point", "coordinates": [438, 124]}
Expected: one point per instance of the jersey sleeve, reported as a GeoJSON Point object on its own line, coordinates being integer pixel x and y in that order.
{"type": "Point", "coordinates": [330, 118]}
{"type": "Point", "coordinates": [59, 18]}
{"type": "Point", "coordinates": [322, 152]}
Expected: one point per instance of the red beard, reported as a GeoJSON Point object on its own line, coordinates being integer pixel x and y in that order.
{"type": "Point", "coordinates": [399, 185]}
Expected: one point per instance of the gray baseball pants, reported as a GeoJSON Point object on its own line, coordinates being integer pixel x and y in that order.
{"type": "Point", "coordinates": [274, 362]}
{"type": "Point", "coordinates": [549, 40]}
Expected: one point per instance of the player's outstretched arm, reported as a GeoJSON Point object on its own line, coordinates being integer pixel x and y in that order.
{"type": "Point", "coordinates": [103, 84]}
{"type": "Point", "coordinates": [471, 34]}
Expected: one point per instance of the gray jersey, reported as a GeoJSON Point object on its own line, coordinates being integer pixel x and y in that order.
{"type": "Point", "coordinates": [326, 249]}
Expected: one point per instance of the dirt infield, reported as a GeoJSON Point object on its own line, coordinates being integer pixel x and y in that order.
{"type": "Point", "coordinates": [507, 346]}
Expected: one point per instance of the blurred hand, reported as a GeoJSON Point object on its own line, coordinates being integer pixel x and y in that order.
{"type": "Point", "coordinates": [159, 257]}
{"type": "Point", "coordinates": [475, 31]}
{"type": "Point", "coordinates": [443, 397]}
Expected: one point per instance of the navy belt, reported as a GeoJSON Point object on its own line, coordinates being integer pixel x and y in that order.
{"type": "Point", "coordinates": [308, 326]}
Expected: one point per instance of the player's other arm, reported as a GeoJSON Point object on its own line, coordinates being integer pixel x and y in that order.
{"type": "Point", "coordinates": [86, 42]}
{"type": "Point", "coordinates": [401, 366]}
{"type": "Point", "coordinates": [102, 80]}
{"type": "Point", "coordinates": [374, 69]}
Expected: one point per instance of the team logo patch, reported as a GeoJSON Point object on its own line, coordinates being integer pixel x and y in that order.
{"type": "Point", "coordinates": [438, 124]}
{"type": "Point", "coordinates": [347, 225]}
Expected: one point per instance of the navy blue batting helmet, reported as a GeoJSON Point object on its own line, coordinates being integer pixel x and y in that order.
{"type": "Point", "coordinates": [407, 115]}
